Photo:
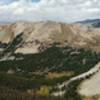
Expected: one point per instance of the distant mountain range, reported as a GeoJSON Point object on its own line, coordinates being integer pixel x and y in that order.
{"type": "Point", "coordinates": [93, 22]}
{"type": "Point", "coordinates": [5, 22]}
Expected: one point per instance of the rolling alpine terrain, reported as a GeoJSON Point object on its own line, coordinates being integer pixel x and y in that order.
{"type": "Point", "coordinates": [47, 60]}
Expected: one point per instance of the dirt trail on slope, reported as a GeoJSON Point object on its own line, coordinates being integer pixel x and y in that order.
{"type": "Point", "coordinates": [92, 71]}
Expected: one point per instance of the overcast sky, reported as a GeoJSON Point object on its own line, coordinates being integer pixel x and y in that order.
{"type": "Point", "coordinates": [56, 10]}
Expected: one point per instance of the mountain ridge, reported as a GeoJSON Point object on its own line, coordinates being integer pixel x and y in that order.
{"type": "Point", "coordinates": [92, 22]}
{"type": "Point", "coordinates": [43, 34]}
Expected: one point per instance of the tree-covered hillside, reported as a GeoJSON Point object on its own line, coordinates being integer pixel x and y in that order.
{"type": "Point", "coordinates": [29, 74]}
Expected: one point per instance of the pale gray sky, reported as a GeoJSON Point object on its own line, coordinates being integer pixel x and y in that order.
{"type": "Point", "coordinates": [56, 10]}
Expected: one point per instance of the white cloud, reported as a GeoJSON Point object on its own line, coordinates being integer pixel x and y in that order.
{"type": "Point", "coordinates": [59, 10]}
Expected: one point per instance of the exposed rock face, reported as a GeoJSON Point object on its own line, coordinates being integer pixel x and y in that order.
{"type": "Point", "coordinates": [41, 35]}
